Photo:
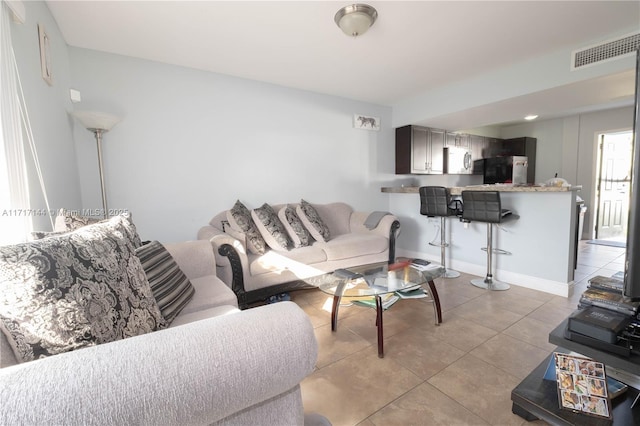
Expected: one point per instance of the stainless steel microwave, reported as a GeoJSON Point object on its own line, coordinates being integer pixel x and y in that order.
{"type": "Point", "coordinates": [457, 161]}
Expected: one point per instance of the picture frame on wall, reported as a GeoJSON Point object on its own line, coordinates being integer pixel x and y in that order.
{"type": "Point", "coordinates": [45, 55]}
{"type": "Point", "coordinates": [366, 122]}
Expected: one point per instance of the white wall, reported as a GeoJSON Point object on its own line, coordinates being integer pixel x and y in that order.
{"type": "Point", "coordinates": [568, 146]}
{"type": "Point", "coordinates": [531, 76]}
{"type": "Point", "coordinates": [193, 142]}
{"type": "Point", "coordinates": [47, 107]}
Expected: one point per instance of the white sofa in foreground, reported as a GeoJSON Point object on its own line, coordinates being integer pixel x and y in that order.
{"type": "Point", "coordinates": [255, 277]}
{"type": "Point", "coordinates": [215, 364]}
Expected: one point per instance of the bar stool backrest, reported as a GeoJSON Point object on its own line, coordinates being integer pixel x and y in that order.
{"type": "Point", "coordinates": [482, 206]}
{"type": "Point", "coordinates": [434, 201]}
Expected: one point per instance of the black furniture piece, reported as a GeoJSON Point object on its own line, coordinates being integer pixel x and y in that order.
{"type": "Point", "coordinates": [485, 206]}
{"type": "Point", "coordinates": [536, 398]}
{"type": "Point", "coordinates": [435, 202]}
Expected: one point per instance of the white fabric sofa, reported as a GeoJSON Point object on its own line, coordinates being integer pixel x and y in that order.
{"type": "Point", "coordinates": [255, 277]}
{"type": "Point", "coordinates": [214, 365]}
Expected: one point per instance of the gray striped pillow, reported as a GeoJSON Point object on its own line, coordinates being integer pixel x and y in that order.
{"type": "Point", "coordinates": [170, 286]}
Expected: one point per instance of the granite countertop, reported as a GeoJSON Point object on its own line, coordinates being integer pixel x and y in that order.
{"type": "Point", "coordinates": [456, 190]}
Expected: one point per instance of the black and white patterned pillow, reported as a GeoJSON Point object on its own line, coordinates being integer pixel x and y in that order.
{"type": "Point", "coordinates": [38, 235]}
{"type": "Point", "coordinates": [292, 223]}
{"type": "Point", "coordinates": [313, 222]}
{"type": "Point", "coordinates": [71, 220]}
{"type": "Point", "coordinates": [170, 286]}
{"type": "Point", "coordinates": [75, 290]}
{"type": "Point", "coordinates": [239, 218]}
{"type": "Point", "coordinates": [272, 230]}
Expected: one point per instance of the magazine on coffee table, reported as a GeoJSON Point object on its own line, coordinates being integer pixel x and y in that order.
{"type": "Point", "coordinates": [582, 385]}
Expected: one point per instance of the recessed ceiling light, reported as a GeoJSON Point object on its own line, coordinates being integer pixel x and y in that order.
{"type": "Point", "coordinates": [531, 117]}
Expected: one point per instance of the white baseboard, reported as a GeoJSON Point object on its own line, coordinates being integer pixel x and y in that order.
{"type": "Point", "coordinates": [548, 286]}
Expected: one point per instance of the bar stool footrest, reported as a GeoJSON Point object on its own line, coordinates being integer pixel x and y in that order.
{"type": "Point", "coordinates": [497, 251]}
{"type": "Point", "coordinates": [439, 244]}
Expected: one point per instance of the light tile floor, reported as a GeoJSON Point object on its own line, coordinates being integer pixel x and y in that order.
{"type": "Point", "coordinates": [459, 373]}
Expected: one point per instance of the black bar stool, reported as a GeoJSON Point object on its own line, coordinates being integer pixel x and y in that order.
{"type": "Point", "coordinates": [485, 206]}
{"type": "Point", "coordinates": [434, 202]}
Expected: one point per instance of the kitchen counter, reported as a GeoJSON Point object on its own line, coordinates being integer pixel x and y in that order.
{"type": "Point", "coordinates": [457, 190]}
{"type": "Point", "coordinates": [542, 240]}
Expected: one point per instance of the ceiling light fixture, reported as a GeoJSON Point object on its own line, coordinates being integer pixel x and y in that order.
{"type": "Point", "coordinates": [531, 117]}
{"type": "Point", "coordinates": [356, 19]}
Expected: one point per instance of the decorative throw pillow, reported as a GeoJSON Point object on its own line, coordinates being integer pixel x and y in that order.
{"type": "Point", "coordinates": [272, 230]}
{"type": "Point", "coordinates": [239, 218]}
{"type": "Point", "coordinates": [75, 290]}
{"type": "Point", "coordinates": [70, 220]}
{"type": "Point", "coordinates": [312, 221]}
{"type": "Point", "coordinates": [170, 286]}
{"type": "Point", "coordinates": [38, 235]}
{"type": "Point", "coordinates": [292, 223]}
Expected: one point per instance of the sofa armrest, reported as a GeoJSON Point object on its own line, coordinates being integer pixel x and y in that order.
{"type": "Point", "coordinates": [198, 373]}
{"type": "Point", "coordinates": [207, 232]}
{"type": "Point", "coordinates": [388, 227]}
{"type": "Point", "coordinates": [195, 258]}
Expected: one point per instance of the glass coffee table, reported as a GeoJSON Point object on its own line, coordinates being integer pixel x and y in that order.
{"type": "Point", "coordinates": [377, 280]}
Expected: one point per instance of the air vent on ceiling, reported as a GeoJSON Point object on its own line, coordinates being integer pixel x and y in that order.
{"type": "Point", "coordinates": [607, 51]}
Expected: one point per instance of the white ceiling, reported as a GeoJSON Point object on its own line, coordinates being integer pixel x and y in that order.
{"type": "Point", "coordinates": [413, 47]}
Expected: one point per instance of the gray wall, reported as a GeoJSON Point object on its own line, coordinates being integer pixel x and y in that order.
{"type": "Point", "coordinates": [192, 142]}
{"type": "Point", "coordinates": [47, 107]}
{"type": "Point", "coordinates": [568, 146]}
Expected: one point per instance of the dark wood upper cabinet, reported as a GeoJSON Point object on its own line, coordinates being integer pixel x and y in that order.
{"type": "Point", "coordinates": [419, 150]}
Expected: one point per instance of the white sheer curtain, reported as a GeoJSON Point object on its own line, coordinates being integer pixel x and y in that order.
{"type": "Point", "coordinates": [15, 213]}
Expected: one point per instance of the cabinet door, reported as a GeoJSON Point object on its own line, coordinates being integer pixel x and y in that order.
{"type": "Point", "coordinates": [436, 162]}
{"type": "Point", "coordinates": [463, 141]}
{"type": "Point", "coordinates": [451, 139]}
{"type": "Point", "coordinates": [419, 150]}
{"type": "Point", "coordinates": [478, 147]}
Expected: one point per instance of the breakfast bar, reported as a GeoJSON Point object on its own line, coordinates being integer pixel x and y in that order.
{"type": "Point", "coordinates": [542, 242]}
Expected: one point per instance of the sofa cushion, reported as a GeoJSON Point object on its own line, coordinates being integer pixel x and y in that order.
{"type": "Point", "coordinates": [354, 245]}
{"type": "Point", "coordinates": [204, 314]}
{"type": "Point", "coordinates": [78, 289]}
{"type": "Point", "coordinates": [270, 227]}
{"type": "Point", "coordinates": [170, 286]}
{"type": "Point", "coordinates": [312, 221]}
{"type": "Point", "coordinates": [294, 226]}
{"type": "Point", "coordinates": [239, 218]}
{"type": "Point", "coordinates": [337, 217]}
{"type": "Point", "coordinates": [293, 260]}
{"type": "Point", "coordinates": [210, 292]}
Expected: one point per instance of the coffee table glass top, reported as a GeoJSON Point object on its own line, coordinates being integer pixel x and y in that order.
{"type": "Point", "coordinates": [374, 279]}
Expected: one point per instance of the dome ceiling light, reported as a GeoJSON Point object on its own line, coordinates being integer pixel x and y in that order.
{"type": "Point", "coordinates": [356, 19]}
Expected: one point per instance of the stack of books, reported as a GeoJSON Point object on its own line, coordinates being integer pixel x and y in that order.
{"type": "Point", "coordinates": [370, 302]}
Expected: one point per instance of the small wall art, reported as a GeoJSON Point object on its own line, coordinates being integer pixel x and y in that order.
{"type": "Point", "coordinates": [45, 55]}
{"type": "Point", "coordinates": [365, 122]}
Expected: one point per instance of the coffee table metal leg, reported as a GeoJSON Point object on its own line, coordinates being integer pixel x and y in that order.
{"type": "Point", "coordinates": [379, 325]}
{"type": "Point", "coordinates": [334, 312]}
{"type": "Point", "coordinates": [433, 292]}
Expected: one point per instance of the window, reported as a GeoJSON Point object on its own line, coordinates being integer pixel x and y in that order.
{"type": "Point", "coordinates": [15, 215]}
